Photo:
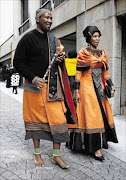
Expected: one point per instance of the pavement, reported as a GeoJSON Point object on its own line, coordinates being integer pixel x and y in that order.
{"type": "Point", "coordinates": [16, 154]}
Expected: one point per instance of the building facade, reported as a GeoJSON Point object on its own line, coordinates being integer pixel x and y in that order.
{"type": "Point", "coordinates": [70, 17]}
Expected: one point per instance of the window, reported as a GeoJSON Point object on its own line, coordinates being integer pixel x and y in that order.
{"type": "Point", "coordinates": [46, 4]}
{"type": "Point", "coordinates": [24, 10]}
{"type": "Point", "coordinates": [58, 2]}
{"type": "Point", "coordinates": [24, 16]}
{"type": "Point", "coordinates": [50, 4]}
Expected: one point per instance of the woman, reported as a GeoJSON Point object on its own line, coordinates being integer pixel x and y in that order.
{"type": "Point", "coordinates": [15, 80]}
{"type": "Point", "coordinates": [95, 120]}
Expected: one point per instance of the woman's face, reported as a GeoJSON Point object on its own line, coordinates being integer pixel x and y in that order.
{"type": "Point", "coordinates": [95, 39]}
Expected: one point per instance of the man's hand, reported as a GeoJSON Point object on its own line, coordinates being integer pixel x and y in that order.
{"type": "Point", "coordinates": [39, 82]}
{"type": "Point", "coordinates": [60, 58]}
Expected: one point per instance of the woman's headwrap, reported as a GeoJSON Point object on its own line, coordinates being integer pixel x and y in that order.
{"type": "Point", "coordinates": [90, 30]}
{"type": "Point", "coordinates": [40, 12]}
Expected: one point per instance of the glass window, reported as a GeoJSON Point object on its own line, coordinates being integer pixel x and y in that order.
{"type": "Point", "coordinates": [24, 10]}
{"type": "Point", "coordinates": [24, 16]}
{"type": "Point", "coordinates": [46, 4]}
{"type": "Point", "coordinates": [50, 4]}
{"type": "Point", "coordinates": [58, 2]}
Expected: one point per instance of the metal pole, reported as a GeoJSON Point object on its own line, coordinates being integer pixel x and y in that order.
{"type": "Point", "coordinates": [11, 55]}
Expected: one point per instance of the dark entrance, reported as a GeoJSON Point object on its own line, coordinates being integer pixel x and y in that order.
{"type": "Point", "coordinates": [69, 42]}
{"type": "Point", "coordinates": [122, 21]}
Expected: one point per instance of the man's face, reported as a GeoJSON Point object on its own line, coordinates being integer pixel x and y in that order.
{"type": "Point", "coordinates": [45, 22]}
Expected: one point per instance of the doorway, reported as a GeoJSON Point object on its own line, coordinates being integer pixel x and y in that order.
{"type": "Point", "coordinates": [69, 42]}
{"type": "Point", "coordinates": [123, 67]}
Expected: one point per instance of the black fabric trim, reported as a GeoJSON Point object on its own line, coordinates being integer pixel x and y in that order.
{"type": "Point", "coordinates": [62, 137]}
{"type": "Point", "coordinates": [90, 142]}
{"type": "Point", "coordinates": [56, 138]}
{"type": "Point", "coordinates": [79, 68]}
{"type": "Point", "coordinates": [38, 135]}
{"type": "Point", "coordinates": [81, 141]}
{"type": "Point", "coordinates": [110, 134]}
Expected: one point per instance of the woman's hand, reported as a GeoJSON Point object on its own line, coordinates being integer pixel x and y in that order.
{"type": "Point", "coordinates": [77, 96]}
{"type": "Point", "coordinates": [112, 91]}
{"type": "Point", "coordinates": [39, 82]}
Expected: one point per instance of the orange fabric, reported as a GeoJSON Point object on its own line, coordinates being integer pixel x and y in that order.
{"type": "Point", "coordinates": [105, 74]}
{"type": "Point", "coordinates": [88, 110]}
{"type": "Point", "coordinates": [36, 108]}
{"type": "Point", "coordinates": [78, 75]}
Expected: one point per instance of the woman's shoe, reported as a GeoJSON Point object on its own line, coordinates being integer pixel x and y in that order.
{"type": "Point", "coordinates": [61, 163]}
{"type": "Point", "coordinates": [99, 158]}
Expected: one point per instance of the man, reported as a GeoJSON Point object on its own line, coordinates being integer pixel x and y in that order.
{"type": "Point", "coordinates": [43, 106]}
{"type": "Point", "coordinates": [8, 76]}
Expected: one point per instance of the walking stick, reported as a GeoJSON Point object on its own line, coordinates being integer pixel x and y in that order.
{"type": "Point", "coordinates": [60, 52]}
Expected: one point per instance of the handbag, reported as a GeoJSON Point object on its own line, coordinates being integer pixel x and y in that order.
{"type": "Point", "coordinates": [107, 91]}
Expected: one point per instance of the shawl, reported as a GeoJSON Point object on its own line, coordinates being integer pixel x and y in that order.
{"type": "Point", "coordinates": [85, 59]}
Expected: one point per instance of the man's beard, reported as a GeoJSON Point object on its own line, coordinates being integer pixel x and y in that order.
{"type": "Point", "coordinates": [44, 30]}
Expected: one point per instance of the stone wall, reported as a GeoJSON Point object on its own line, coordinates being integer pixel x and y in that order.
{"type": "Point", "coordinates": [66, 11]}
{"type": "Point", "coordinates": [121, 7]}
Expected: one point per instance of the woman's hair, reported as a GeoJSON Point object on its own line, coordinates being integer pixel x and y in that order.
{"type": "Point", "coordinates": [72, 54]}
{"type": "Point", "coordinates": [88, 39]}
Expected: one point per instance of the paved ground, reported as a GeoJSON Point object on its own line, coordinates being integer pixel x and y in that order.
{"type": "Point", "coordinates": [16, 157]}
